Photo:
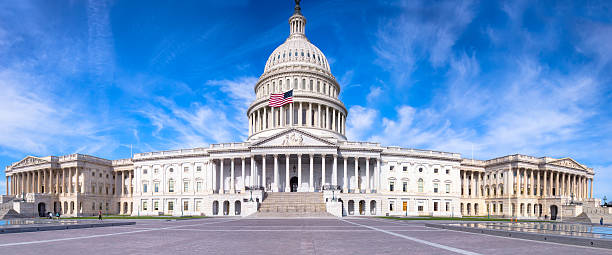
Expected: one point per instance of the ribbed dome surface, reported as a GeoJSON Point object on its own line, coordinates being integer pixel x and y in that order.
{"type": "Point", "coordinates": [297, 51]}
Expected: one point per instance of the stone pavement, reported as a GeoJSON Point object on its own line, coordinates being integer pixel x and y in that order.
{"type": "Point", "coordinates": [275, 236]}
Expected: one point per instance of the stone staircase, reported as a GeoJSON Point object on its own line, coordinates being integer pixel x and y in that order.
{"type": "Point", "coordinates": [293, 204]}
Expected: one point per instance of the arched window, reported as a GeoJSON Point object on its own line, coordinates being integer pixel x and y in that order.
{"type": "Point", "coordinates": [420, 185]}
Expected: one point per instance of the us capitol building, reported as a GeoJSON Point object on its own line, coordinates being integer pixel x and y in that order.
{"type": "Point", "coordinates": [297, 161]}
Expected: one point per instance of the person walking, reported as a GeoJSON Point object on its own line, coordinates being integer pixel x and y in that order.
{"type": "Point", "coordinates": [99, 215]}
{"type": "Point", "coordinates": [601, 221]}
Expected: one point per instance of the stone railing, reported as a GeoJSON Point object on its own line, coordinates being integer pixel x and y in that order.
{"type": "Point", "coordinates": [76, 156]}
{"type": "Point", "coordinates": [511, 158]}
{"type": "Point", "coordinates": [122, 162]}
{"type": "Point", "coordinates": [427, 153]}
{"type": "Point", "coordinates": [170, 153]}
{"type": "Point", "coordinates": [227, 145]}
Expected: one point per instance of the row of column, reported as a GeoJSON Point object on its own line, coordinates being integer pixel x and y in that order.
{"type": "Point", "coordinates": [130, 189]}
{"type": "Point", "coordinates": [317, 115]}
{"type": "Point", "coordinates": [528, 182]}
{"type": "Point", "coordinates": [50, 181]}
{"type": "Point", "coordinates": [334, 176]}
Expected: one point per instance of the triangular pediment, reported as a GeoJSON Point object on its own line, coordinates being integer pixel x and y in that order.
{"type": "Point", "coordinates": [568, 162]}
{"type": "Point", "coordinates": [29, 161]}
{"type": "Point", "coordinates": [293, 137]}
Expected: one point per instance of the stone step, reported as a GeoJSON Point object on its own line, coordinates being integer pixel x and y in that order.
{"type": "Point", "coordinates": [292, 204]}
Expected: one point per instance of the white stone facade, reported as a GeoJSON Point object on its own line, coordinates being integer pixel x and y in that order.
{"type": "Point", "coordinates": [300, 147]}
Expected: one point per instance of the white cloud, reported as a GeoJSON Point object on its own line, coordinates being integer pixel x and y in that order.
{"type": "Point", "coordinates": [374, 93]}
{"type": "Point", "coordinates": [417, 34]}
{"type": "Point", "coordinates": [360, 122]}
{"type": "Point", "coordinates": [240, 90]}
{"type": "Point", "coordinates": [35, 121]}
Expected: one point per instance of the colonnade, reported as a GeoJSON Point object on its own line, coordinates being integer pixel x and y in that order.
{"type": "Point", "coordinates": [259, 171]}
{"type": "Point", "coordinates": [49, 181]}
{"type": "Point", "coordinates": [297, 114]}
{"type": "Point", "coordinates": [125, 190]}
{"type": "Point", "coordinates": [523, 183]}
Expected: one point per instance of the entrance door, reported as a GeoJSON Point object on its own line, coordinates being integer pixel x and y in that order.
{"type": "Point", "coordinates": [553, 212]}
{"type": "Point", "coordinates": [41, 210]}
{"type": "Point", "coordinates": [405, 206]}
{"type": "Point", "coordinates": [294, 184]}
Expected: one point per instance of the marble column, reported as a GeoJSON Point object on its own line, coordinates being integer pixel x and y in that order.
{"type": "Point", "coordinates": [322, 171]}
{"type": "Point", "coordinates": [300, 162]}
{"type": "Point", "coordinates": [311, 173]}
{"type": "Point", "coordinates": [335, 171]}
{"type": "Point", "coordinates": [345, 179]}
{"type": "Point", "coordinates": [287, 187]}
{"type": "Point", "coordinates": [545, 194]}
{"type": "Point", "coordinates": [243, 171]}
{"type": "Point", "coordinates": [221, 176]}
{"type": "Point", "coordinates": [275, 186]}
{"type": "Point", "coordinates": [367, 169]}
{"type": "Point", "coordinates": [232, 177]}
{"type": "Point", "coordinates": [263, 172]}
{"type": "Point", "coordinates": [357, 188]}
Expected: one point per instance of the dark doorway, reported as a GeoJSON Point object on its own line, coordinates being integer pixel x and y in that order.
{"type": "Point", "coordinates": [553, 212]}
{"type": "Point", "coordinates": [42, 210]}
{"type": "Point", "coordinates": [294, 184]}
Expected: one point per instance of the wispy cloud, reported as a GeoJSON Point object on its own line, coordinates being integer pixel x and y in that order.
{"type": "Point", "coordinates": [422, 31]}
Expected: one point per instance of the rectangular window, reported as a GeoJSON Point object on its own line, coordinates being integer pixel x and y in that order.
{"type": "Point", "coordinates": [435, 170]}
{"type": "Point", "coordinates": [171, 186]}
{"type": "Point", "coordinates": [391, 186]}
{"type": "Point", "coordinates": [199, 186]}
{"type": "Point", "coordinates": [144, 205]}
{"type": "Point", "coordinates": [157, 187]}
{"type": "Point", "coordinates": [156, 205]}
{"type": "Point", "coordinates": [185, 186]}
{"type": "Point", "coordinates": [391, 168]}
{"type": "Point", "coordinates": [144, 171]}
{"type": "Point", "coordinates": [447, 206]}
{"type": "Point", "coordinates": [185, 205]}
{"type": "Point", "coordinates": [170, 206]}
{"type": "Point", "coordinates": [420, 185]}
{"type": "Point", "coordinates": [199, 169]}
{"type": "Point", "coordinates": [420, 208]}
{"type": "Point", "coordinates": [156, 170]}
{"type": "Point", "coordinates": [501, 208]}
{"type": "Point", "coordinates": [404, 186]}
{"type": "Point", "coordinates": [198, 206]}
{"type": "Point", "coordinates": [435, 188]}
{"type": "Point", "coordinates": [435, 206]}
{"type": "Point", "coordinates": [391, 205]}
{"type": "Point", "coordinates": [405, 169]}
{"type": "Point", "coordinates": [447, 171]}
{"type": "Point", "coordinates": [144, 188]}
{"type": "Point", "coordinates": [447, 188]}
{"type": "Point", "coordinates": [185, 169]}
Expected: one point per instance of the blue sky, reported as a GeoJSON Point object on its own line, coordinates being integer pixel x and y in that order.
{"type": "Point", "coordinates": [492, 77]}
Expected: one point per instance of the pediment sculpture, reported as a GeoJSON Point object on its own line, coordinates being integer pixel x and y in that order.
{"type": "Point", "coordinates": [30, 161]}
{"type": "Point", "coordinates": [567, 163]}
{"type": "Point", "coordinates": [293, 139]}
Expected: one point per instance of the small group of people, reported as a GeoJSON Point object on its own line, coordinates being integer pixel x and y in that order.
{"type": "Point", "coordinates": [57, 215]}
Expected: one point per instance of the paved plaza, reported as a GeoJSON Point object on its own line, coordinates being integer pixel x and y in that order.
{"type": "Point", "coordinates": [274, 236]}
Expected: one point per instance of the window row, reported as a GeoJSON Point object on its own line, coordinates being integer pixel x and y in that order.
{"type": "Point", "coordinates": [422, 169]}
{"type": "Point", "coordinates": [302, 84]}
{"type": "Point", "coordinates": [420, 186]}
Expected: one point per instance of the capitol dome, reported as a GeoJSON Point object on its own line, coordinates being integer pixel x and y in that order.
{"type": "Point", "coordinates": [298, 66]}
{"type": "Point", "coordinates": [297, 50]}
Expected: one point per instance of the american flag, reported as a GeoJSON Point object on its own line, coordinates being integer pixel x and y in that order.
{"type": "Point", "coordinates": [278, 100]}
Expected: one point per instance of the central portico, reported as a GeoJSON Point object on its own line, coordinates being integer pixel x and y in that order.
{"type": "Point", "coordinates": [295, 160]}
